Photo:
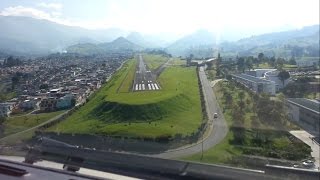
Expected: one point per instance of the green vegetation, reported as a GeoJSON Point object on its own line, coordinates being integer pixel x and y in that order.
{"type": "Point", "coordinates": [254, 129]}
{"type": "Point", "coordinates": [154, 61]}
{"type": "Point", "coordinates": [147, 114]}
{"type": "Point", "coordinates": [19, 123]}
{"type": "Point", "coordinates": [7, 96]}
{"type": "Point", "coordinates": [127, 82]}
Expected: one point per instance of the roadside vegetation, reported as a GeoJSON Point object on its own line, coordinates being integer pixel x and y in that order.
{"type": "Point", "coordinates": [175, 109]}
{"type": "Point", "coordinates": [16, 124]}
{"type": "Point", "coordinates": [258, 126]}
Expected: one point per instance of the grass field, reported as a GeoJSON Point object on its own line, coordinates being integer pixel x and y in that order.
{"type": "Point", "coordinates": [127, 82]}
{"type": "Point", "coordinates": [174, 109]}
{"type": "Point", "coordinates": [226, 152]}
{"type": "Point", "coordinates": [19, 123]}
{"type": "Point", "coordinates": [154, 61]}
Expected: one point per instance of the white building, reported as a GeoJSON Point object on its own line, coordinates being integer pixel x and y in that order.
{"type": "Point", "coordinates": [5, 109]}
{"type": "Point", "coordinates": [28, 104]}
{"type": "Point", "coordinates": [271, 75]}
{"type": "Point", "coordinates": [308, 63]}
{"type": "Point", "coordinates": [255, 84]}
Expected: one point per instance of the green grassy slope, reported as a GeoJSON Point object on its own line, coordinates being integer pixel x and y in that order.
{"type": "Point", "coordinates": [174, 109]}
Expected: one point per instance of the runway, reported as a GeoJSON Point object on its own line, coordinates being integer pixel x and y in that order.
{"type": "Point", "coordinates": [144, 79]}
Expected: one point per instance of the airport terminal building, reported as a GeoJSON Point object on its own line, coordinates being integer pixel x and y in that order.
{"type": "Point", "coordinates": [255, 84]}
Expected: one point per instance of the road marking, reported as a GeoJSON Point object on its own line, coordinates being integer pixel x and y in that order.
{"type": "Point", "coordinates": [152, 86]}
{"type": "Point", "coordinates": [143, 88]}
{"type": "Point", "coordinates": [155, 85]}
{"type": "Point", "coordinates": [149, 86]}
{"type": "Point", "coordinates": [137, 86]}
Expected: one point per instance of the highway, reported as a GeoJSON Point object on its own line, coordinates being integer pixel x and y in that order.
{"type": "Point", "coordinates": [217, 126]}
{"type": "Point", "coordinates": [144, 79]}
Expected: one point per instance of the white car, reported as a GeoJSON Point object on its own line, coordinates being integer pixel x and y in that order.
{"type": "Point", "coordinates": [215, 115]}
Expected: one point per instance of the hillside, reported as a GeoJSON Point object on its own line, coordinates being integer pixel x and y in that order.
{"type": "Point", "coordinates": [25, 35]}
{"type": "Point", "coordinates": [119, 44]}
{"type": "Point", "coordinates": [146, 114]}
{"type": "Point", "coordinates": [198, 40]}
{"type": "Point", "coordinates": [298, 43]}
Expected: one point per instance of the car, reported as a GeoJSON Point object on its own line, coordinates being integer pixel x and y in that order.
{"type": "Point", "coordinates": [308, 164]}
{"type": "Point", "coordinates": [215, 115]}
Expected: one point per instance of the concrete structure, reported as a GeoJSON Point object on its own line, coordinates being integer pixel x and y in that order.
{"type": "Point", "coordinates": [305, 113]}
{"type": "Point", "coordinates": [259, 73]}
{"type": "Point", "coordinates": [48, 104]}
{"type": "Point", "coordinates": [28, 104]}
{"type": "Point", "coordinates": [308, 63]}
{"type": "Point", "coordinates": [269, 74]}
{"type": "Point", "coordinates": [273, 76]}
{"type": "Point", "coordinates": [255, 84]}
{"type": "Point", "coordinates": [64, 102]}
{"type": "Point", "coordinates": [5, 109]}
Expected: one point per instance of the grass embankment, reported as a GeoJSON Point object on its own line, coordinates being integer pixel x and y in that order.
{"type": "Point", "coordinates": [267, 141]}
{"type": "Point", "coordinates": [126, 84]}
{"type": "Point", "coordinates": [173, 109]}
{"type": "Point", "coordinates": [19, 123]}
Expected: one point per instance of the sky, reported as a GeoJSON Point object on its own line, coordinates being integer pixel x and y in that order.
{"type": "Point", "coordinates": [170, 16]}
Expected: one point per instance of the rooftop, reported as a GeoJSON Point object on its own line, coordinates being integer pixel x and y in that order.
{"type": "Point", "coordinates": [306, 103]}
{"type": "Point", "coordinates": [251, 78]}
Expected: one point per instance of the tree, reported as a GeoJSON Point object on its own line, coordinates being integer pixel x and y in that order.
{"type": "Point", "coordinates": [260, 57]}
{"type": "Point", "coordinates": [249, 62]}
{"type": "Point", "coordinates": [279, 63]}
{"type": "Point", "coordinates": [189, 59]}
{"type": "Point", "coordinates": [44, 86]}
{"type": "Point", "coordinates": [241, 64]}
{"type": "Point", "coordinates": [292, 61]}
{"type": "Point", "coordinates": [241, 95]}
{"type": "Point", "coordinates": [14, 81]}
{"type": "Point", "coordinates": [283, 75]}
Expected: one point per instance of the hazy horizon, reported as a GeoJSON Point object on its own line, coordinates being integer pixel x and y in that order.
{"type": "Point", "coordinates": [175, 18]}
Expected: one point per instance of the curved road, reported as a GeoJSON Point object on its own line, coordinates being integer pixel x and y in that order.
{"type": "Point", "coordinates": [218, 126]}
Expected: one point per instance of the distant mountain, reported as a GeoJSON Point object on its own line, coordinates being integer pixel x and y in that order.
{"type": "Point", "coordinates": [299, 42]}
{"type": "Point", "coordinates": [119, 44]}
{"type": "Point", "coordinates": [138, 39]}
{"type": "Point", "coordinates": [197, 40]}
{"type": "Point", "coordinates": [25, 35]}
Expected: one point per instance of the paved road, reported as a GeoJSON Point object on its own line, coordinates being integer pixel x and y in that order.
{"type": "Point", "coordinates": [217, 126]}
{"type": "Point", "coordinates": [144, 78]}
{"type": "Point", "coordinates": [306, 138]}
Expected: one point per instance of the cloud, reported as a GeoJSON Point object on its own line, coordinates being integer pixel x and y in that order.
{"type": "Point", "coordinates": [25, 11]}
{"type": "Point", "coordinates": [55, 6]}
{"type": "Point", "coordinates": [35, 13]}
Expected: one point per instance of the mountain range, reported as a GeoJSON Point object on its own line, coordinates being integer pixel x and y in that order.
{"type": "Point", "coordinates": [29, 36]}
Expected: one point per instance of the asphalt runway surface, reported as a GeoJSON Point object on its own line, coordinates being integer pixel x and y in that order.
{"type": "Point", "coordinates": [144, 79]}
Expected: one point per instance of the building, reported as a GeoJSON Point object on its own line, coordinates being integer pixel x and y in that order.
{"type": "Point", "coordinates": [269, 74]}
{"type": "Point", "coordinates": [28, 104]}
{"type": "Point", "coordinates": [273, 76]}
{"type": "Point", "coordinates": [308, 63]}
{"type": "Point", "coordinates": [255, 84]}
{"type": "Point", "coordinates": [259, 73]}
{"type": "Point", "coordinates": [48, 104]}
{"type": "Point", "coordinates": [5, 109]}
{"type": "Point", "coordinates": [64, 102]}
{"type": "Point", "coordinates": [305, 113]}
